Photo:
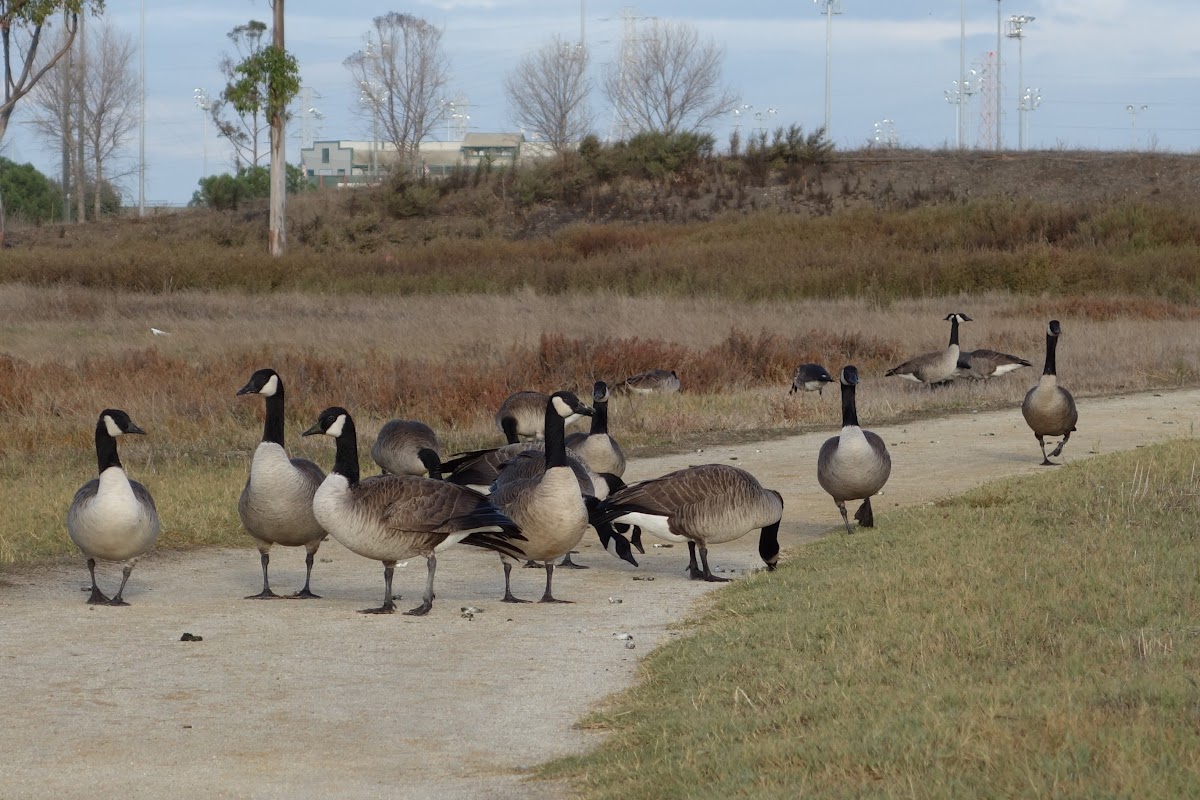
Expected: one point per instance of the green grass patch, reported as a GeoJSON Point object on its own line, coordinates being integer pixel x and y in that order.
{"type": "Point", "coordinates": [1035, 637]}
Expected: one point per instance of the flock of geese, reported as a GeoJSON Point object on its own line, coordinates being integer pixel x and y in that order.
{"type": "Point", "coordinates": [531, 500]}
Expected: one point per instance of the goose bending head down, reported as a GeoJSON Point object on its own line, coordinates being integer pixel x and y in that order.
{"type": "Point", "coordinates": [276, 505]}
{"type": "Point", "coordinates": [112, 518]}
{"type": "Point", "coordinates": [389, 518]}
{"type": "Point", "coordinates": [548, 504]}
{"type": "Point", "coordinates": [407, 447]}
{"type": "Point", "coordinates": [810, 378]}
{"type": "Point", "coordinates": [1049, 409]}
{"type": "Point", "coordinates": [938, 367]}
{"type": "Point", "coordinates": [703, 505]}
{"type": "Point", "coordinates": [855, 464]}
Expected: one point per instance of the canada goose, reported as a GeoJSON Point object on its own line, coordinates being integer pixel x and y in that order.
{"type": "Point", "coordinates": [393, 517]}
{"type": "Point", "coordinates": [479, 469]}
{"type": "Point", "coordinates": [598, 450]}
{"type": "Point", "coordinates": [407, 447]}
{"type": "Point", "coordinates": [521, 416]}
{"type": "Point", "coordinates": [112, 518]}
{"type": "Point", "coordinates": [1049, 409]}
{"type": "Point", "coordinates": [936, 367]}
{"type": "Point", "coordinates": [548, 506]}
{"type": "Point", "coordinates": [276, 503]}
{"type": "Point", "coordinates": [854, 464]}
{"type": "Point", "coordinates": [983, 364]}
{"type": "Point", "coordinates": [809, 378]}
{"type": "Point", "coordinates": [661, 381]}
{"type": "Point", "coordinates": [702, 506]}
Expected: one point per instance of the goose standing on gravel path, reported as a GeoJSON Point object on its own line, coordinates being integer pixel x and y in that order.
{"type": "Point", "coordinates": [810, 378]}
{"type": "Point", "coordinates": [389, 518]}
{"type": "Point", "coordinates": [1049, 409]}
{"type": "Point", "coordinates": [112, 518]}
{"type": "Point", "coordinates": [548, 506]}
{"type": "Point", "coordinates": [854, 465]}
{"type": "Point", "coordinates": [407, 447]}
{"type": "Point", "coordinates": [937, 367]}
{"type": "Point", "coordinates": [276, 506]}
{"type": "Point", "coordinates": [703, 505]}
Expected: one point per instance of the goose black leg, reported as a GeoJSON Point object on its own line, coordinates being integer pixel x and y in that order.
{"type": "Point", "coordinates": [864, 516]}
{"type": "Point", "coordinates": [306, 592]}
{"type": "Point", "coordinates": [1058, 450]}
{"type": "Point", "coordinates": [96, 597]}
{"type": "Point", "coordinates": [708, 576]}
{"type": "Point", "coordinates": [845, 517]}
{"type": "Point", "coordinates": [569, 564]}
{"type": "Point", "coordinates": [1046, 462]}
{"type": "Point", "coordinates": [508, 595]}
{"type": "Point", "coordinates": [547, 597]}
{"type": "Point", "coordinates": [266, 593]}
{"type": "Point", "coordinates": [116, 600]}
{"type": "Point", "coordinates": [427, 602]}
{"type": "Point", "coordinates": [388, 607]}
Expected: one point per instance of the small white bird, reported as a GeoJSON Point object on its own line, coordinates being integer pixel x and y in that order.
{"type": "Point", "coordinates": [159, 332]}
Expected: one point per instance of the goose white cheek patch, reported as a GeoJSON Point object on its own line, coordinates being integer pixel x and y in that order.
{"type": "Point", "coordinates": [270, 387]}
{"type": "Point", "coordinates": [562, 408]}
{"type": "Point", "coordinates": [335, 429]}
{"type": "Point", "coordinates": [111, 426]}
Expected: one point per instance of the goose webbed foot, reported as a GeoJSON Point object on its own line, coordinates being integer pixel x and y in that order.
{"type": "Point", "coordinates": [509, 597]}
{"type": "Point", "coordinates": [1058, 450]}
{"type": "Point", "coordinates": [569, 564]}
{"type": "Point", "coordinates": [546, 598]}
{"type": "Point", "coordinates": [97, 597]}
{"type": "Point", "coordinates": [387, 608]}
{"type": "Point", "coordinates": [420, 610]}
{"type": "Point", "coordinates": [265, 594]}
{"type": "Point", "coordinates": [305, 594]}
{"type": "Point", "coordinates": [1047, 463]}
{"type": "Point", "coordinates": [532, 565]}
{"type": "Point", "coordinates": [117, 601]}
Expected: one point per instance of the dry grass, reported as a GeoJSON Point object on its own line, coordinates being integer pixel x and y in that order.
{"type": "Point", "coordinates": [451, 360]}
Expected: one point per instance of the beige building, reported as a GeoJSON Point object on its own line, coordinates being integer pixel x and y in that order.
{"type": "Point", "coordinates": [342, 161]}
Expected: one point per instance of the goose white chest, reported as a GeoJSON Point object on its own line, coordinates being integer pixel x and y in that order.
{"type": "Point", "coordinates": [109, 521]}
{"type": "Point", "coordinates": [276, 504]}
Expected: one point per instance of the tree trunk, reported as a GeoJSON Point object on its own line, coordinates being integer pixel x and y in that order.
{"type": "Point", "coordinates": [80, 122]}
{"type": "Point", "coordinates": [99, 183]}
{"type": "Point", "coordinates": [277, 233]}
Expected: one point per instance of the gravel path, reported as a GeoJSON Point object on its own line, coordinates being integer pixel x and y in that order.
{"type": "Point", "coordinates": [300, 699]}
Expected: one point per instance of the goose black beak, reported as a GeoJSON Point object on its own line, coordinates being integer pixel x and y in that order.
{"type": "Point", "coordinates": [247, 389]}
{"type": "Point", "coordinates": [135, 429]}
{"type": "Point", "coordinates": [314, 430]}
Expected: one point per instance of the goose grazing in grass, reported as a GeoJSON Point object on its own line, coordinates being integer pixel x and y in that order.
{"type": "Point", "coordinates": [1049, 409]}
{"type": "Point", "coordinates": [854, 465]}
{"type": "Point", "coordinates": [521, 417]}
{"type": "Point", "coordinates": [389, 518]}
{"type": "Point", "coordinates": [661, 381]}
{"type": "Point", "coordinates": [599, 451]}
{"type": "Point", "coordinates": [983, 364]}
{"type": "Point", "coordinates": [704, 505]}
{"type": "Point", "coordinates": [276, 506]}
{"type": "Point", "coordinates": [810, 378]}
{"type": "Point", "coordinates": [407, 447]}
{"type": "Point", "coordinates": [937, 367]}
{"type": "Point", "coordinates": [547, 504]}
{"type": "Point", "coordinates": [112, 518]}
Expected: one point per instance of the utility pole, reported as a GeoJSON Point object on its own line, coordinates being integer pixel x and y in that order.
{"type": "Point", "coordinates": [962, 72]}
{"type": "Point", "coordinates": [831, 7]}
{"type": "Point", "coordinates": [65, 125]}
{"type": "Point", "coordinates": [142, 113]}
{"type": "Point", "coordinates": [999, 67]}
{"type": "Point", "coordinates": [277, 230]}
{"type": "Point", "coordinates": [80, 112]}
{"type": "Point", "coordinates": [1016, 30]}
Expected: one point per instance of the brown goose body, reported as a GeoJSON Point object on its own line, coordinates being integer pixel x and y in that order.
{"type": "Point", "coordinates": [1048, 408]}
{"type": "Point", "coordinates": [983, 363]}
{"type": "Point", "coordinates": [855, 464]}
{"type": "Point", "coordinates": [810, 378]}
{"type": "Point", "coordinates": [662, 381]}
{"type": "Point", "coordinates": [936, 367]}
{"type": "Point", "coordinates": [407, 447]}
{"type": "Point", "coordinates": [596, 448]}
{"type": "Point", "coordinates": [702, 505]}
{"type": "Point", "coordinates": [522, 416]}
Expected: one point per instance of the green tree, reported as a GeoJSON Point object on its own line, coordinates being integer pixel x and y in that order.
{"type": "Point", "coordinates": [28, 194]}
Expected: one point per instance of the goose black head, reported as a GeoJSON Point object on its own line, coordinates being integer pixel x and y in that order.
{"type": "Point", "coordinates": [958, 316]}
{"type": "Point", "coordinates": [331, 422]}
{"type": "Point", "coordinates": [117, 422]}
{"type": "Point", "coordinates": [849, 376]}
{"type": "Point", "coordinates": [600, 392]}
{"type": "Point", "coordinates": [264, 381]}
{"type": "Point", "coordinates": [568, 406]}
{"type": "Point", "coordinates": [1054, 329]}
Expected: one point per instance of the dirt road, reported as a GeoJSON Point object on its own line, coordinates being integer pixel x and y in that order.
{"type": "Point", "coordinates": [298, 699]}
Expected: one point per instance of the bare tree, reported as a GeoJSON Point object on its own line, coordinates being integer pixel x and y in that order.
{"type": "Point", "coordinates": [401, 74]}
{"type": "Point", "coordinates": [54, 113]}
{"type": "Point", "coordinates": [548, 93]}
{"type": "Point", "coordinates": [22, 23]}
{"type": "Point", "coordinates": [99, 127]}
{"type": "Point", "coordinates": [666, 80]}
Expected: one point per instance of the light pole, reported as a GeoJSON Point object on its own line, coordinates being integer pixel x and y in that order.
{"type": "Point", "coordinates": [830, 7]}
{"type": "Point", "coordinates": [961, 134]}
{"type": "Point", "coordinates": [1016, 30]}
{"type": "Point", "coordinates": [999, 74]}
{"type": "Point", "coordinates": [760, 116]}
{"type": "Point", "coordinates": [958, 95]}
{"type": "Point", "coordinates": [885, 133]}
{"type": "Point", "coordinates": [1030, 99]}
{"type": "Point", "coordinates": [368, 95]}
{"type": "Point", "coordinates": [1133, 115]}
{"type": "Point", "coordinates": [204, 104]}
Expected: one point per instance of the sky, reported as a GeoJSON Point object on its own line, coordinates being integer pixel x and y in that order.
{"type": "Point", "coordinates": [891, 64]}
